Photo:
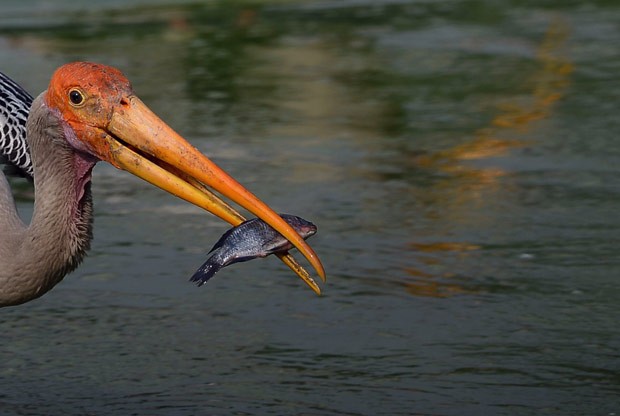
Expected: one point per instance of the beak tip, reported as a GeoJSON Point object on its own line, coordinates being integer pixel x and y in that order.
{"type": "Point", "coordinates": [320, 270]}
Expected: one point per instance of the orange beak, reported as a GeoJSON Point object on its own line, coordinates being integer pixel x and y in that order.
{"type": "Point", "coordinates": [138, 141]}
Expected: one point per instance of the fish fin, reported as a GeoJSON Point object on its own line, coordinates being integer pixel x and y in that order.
{"type": "Point", "coordinates": [227, 234]}
{"type": "Point", "coordinates": [206, 272]}
{"type": "Point", "coordinates": [221, 241]}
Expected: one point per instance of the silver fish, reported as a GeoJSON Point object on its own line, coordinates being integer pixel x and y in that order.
{"type": "Point", "coordinates": [249, 240]}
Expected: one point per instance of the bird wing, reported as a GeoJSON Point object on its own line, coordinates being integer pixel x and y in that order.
{"type": "Point", "coordinates": [15, 105]}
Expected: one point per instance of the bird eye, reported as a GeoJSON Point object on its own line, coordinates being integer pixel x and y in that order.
{"type": "Point", "coordinates": [76, 97]}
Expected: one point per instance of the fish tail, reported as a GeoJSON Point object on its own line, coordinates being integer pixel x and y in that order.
{"type": "Point", "coordinates": [205, 272]}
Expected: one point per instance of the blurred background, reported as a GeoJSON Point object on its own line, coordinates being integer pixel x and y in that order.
{"type": "Point", "coordinates": [460, 158]}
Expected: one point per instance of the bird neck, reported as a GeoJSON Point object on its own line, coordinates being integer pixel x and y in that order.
{"type": "Point", "coordinates": [60, 231]}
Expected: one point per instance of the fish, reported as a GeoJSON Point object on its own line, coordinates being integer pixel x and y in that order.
{"type": "Point", "coordinates": [249, 240]}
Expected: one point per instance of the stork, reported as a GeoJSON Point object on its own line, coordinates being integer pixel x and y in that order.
{"type": "Point", "coordinates": [90, 113]}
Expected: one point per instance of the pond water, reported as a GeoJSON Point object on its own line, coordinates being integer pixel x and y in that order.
{"type": "Point", "coordinates": [459, 157]}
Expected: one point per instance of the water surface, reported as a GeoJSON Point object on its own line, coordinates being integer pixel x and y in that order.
{"type": "Point", "coordinates": [460, 158]}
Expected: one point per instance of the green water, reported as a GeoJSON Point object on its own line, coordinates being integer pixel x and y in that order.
{"type": "Point", "coordinates": [460, 159]}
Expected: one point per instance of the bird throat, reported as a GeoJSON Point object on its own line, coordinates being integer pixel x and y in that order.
{"type": "Point", "coordinates": [83, 165]}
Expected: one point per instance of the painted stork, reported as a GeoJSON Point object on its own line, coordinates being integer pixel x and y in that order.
{"type": "Point", "coordinates": [90, 113]}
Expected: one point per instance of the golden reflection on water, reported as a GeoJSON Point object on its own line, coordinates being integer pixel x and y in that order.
{"type": "Point", "coordinates": [515, 117]}
{"type": "Point", "coordinates": [428, 283]}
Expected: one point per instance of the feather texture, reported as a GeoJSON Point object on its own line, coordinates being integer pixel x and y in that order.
{"type": "Point", "coordinates": [15, 103]}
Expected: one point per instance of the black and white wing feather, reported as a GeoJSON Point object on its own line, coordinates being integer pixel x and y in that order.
{"type": "Point", "coordinates": [15, 105]}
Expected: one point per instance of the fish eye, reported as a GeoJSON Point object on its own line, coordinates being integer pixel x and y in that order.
{"type": "Point", "coordinates": [76, 97]}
